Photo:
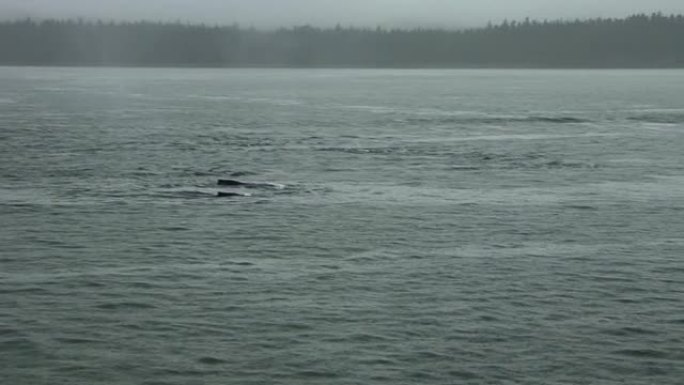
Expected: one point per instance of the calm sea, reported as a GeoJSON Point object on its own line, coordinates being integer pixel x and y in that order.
{"type": "Point", "coordinates": [404, 227]}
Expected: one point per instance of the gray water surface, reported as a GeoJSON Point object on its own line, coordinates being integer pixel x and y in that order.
{"type": "Point", "coordinates": [432, 227]}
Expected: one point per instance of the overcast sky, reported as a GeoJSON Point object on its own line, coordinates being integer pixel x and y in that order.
{"type": "Point", "coordinates": [275, 13]}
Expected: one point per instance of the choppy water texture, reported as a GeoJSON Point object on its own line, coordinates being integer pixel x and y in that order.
{"type": "Point", "coordinates": [426, 227]}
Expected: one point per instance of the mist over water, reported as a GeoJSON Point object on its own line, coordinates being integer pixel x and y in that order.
{"type": "Point", "coordinates": [328, 13]}
{"type": "Point", "coordinates": [403, 226]}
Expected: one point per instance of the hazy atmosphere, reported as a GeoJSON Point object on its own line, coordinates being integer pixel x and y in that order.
{"type": "Point", "coordinates": [273, 13]}
{"type": "Point", "coordinates": [377, 192]}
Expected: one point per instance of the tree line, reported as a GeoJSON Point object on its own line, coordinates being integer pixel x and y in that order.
{"type": "Point", "coordinates": [637, 41]}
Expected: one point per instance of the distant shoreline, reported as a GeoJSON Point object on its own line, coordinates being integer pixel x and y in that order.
{"type": "Point", "coordinates": [636, 42]}
{"type": "Point", "coordinates": [493, 68]}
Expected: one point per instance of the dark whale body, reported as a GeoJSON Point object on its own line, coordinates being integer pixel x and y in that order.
{"type": "Point", "coordinates": [231, 182]}
{"type": "Point", "coordinates": [226, 194]}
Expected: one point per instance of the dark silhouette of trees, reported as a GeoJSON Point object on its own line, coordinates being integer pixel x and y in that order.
{"type": "Point", "coordinates": [637, 41]}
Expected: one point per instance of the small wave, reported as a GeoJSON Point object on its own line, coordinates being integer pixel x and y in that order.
{"type": "Point", "coordinates": [630, 331]}
{"type": "Point", "coordinates": [374, 109]}
{"type": "Point", "coordinates": [377, 361]}
{"type": "Point", "coordinates": [642, 353]}
{"type": "Point", "coordinates": [196, 192]}
{"type": "Point", "coordinates": [464, 375]}
{"type": "Point", "coordinates": [465, 168]}
{"type": "Point", "coordinates": [659, 118]}
{"type": "Point", "coordinates": [7, 332]}
{"type": "Point", "coordinates": [175, 228]}
{"type": "Point", "coordinates": [251, 185]}
{"type": "Point", "coordinates": [171, 185]}
{"type": "Point", "coordinates": [182, 372]}
{"type": "Point", "coordinates": [211, 361]}
{"type": "Point", "coordinates": [21, 346]}
{"type": "Point", "coordinates": [556, 119]}
{"type": "Point", "coordinates": [582, 207]}
{"type": "Point", "coordinates": [240, 263]}
{"type": "Point", "coordinates": [273, 101]}
{"type": "Point", "coordinates": [75, 340]}
{"type": "Point", "coordinates": [238, 174]}
{"type": "Point", "coordinates": [125, 306]}
{"type": "Point", "coordinates": [511, 137]}
{"type": "Point", "coordinates": [247, 100]}
{"type": "Point", "coordinates": [472, 161]}
{"type": "Point", "coordinates": [363, 150]}
{"type": "Point", "coordinates": [34, 290]}
{"type": "Point", "coordinates": [423, 376]}
{"type": "Point", "coordinates": [186, 194]}
{"type": "Point", "coordinates": [314, 374]}
{"type": "Point", "coordinates": [489, 119]}
{"type": "Point", "coordinates": [521, 161]}
{"type": "Point", "coordinates": [157, 382]}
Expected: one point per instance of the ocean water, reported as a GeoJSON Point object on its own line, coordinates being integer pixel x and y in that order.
{"type": "Point", "coordinates": [420, 227]}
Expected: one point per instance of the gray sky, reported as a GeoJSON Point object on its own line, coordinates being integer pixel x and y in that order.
{"type": "Point", "coordinates": [275, 13]}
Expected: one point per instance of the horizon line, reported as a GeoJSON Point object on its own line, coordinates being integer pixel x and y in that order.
{"type": "Point", "coordinates": [250, 26]}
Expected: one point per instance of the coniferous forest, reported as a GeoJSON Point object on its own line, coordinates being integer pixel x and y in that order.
{"type": "Point", "coordinates": [639, 41]}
